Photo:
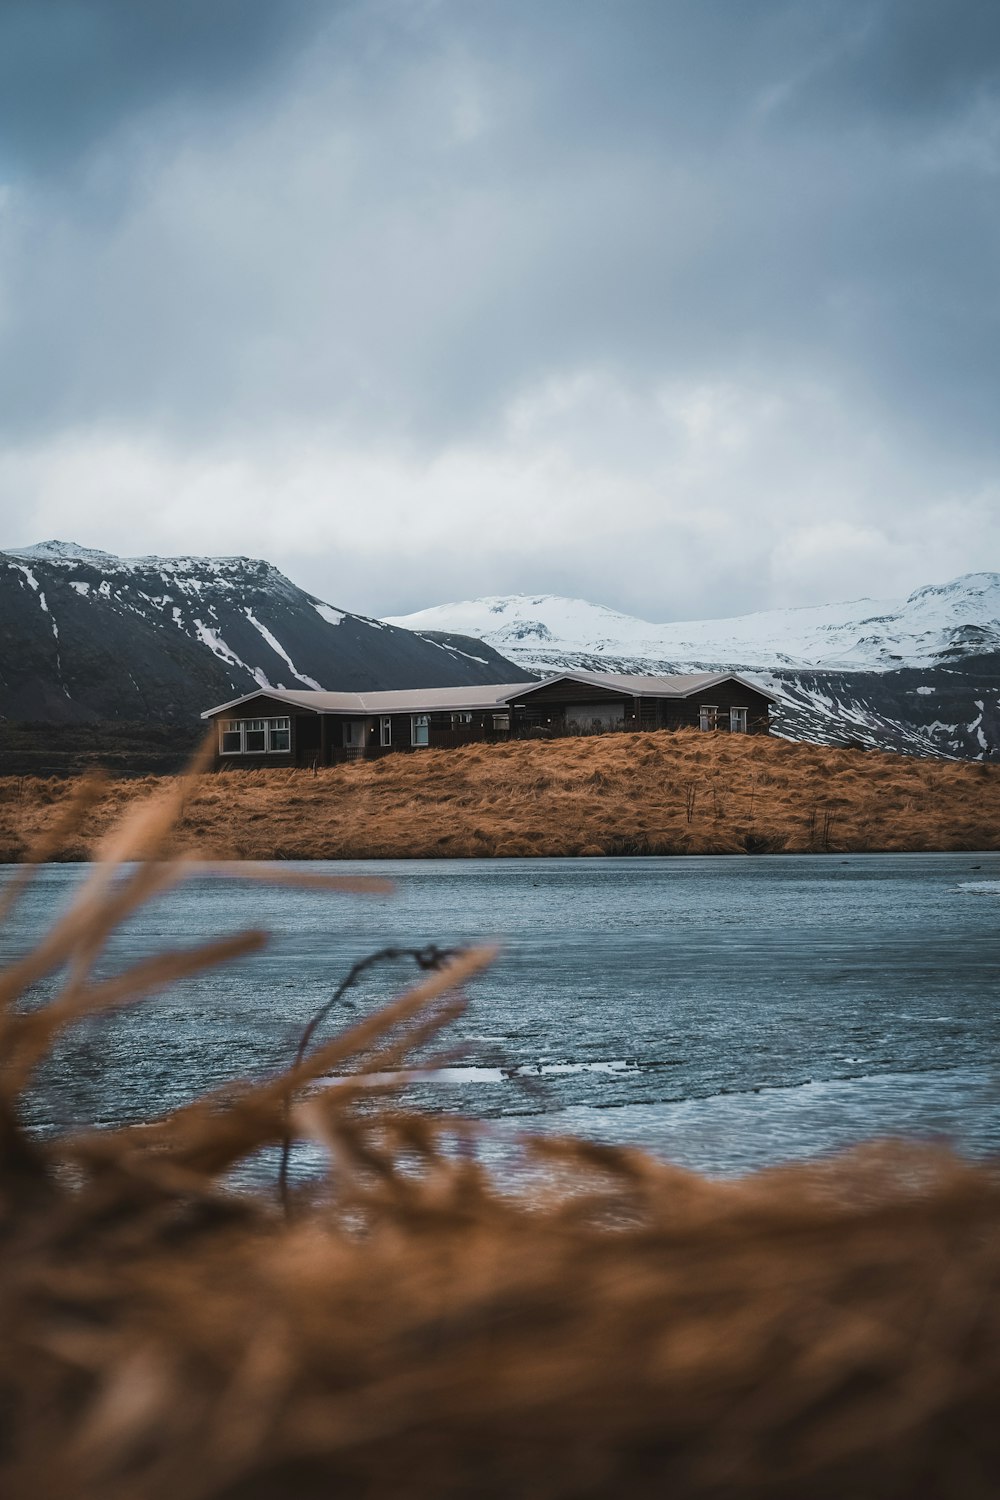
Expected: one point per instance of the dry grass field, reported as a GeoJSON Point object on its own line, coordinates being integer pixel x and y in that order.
{"type": "Point", "coordinates": [656, 793]}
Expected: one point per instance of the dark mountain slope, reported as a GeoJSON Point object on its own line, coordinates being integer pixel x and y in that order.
{"type": "Point", "coordinates": [86, 636]}
{"type": "Point", "coordinates": [949, 710]}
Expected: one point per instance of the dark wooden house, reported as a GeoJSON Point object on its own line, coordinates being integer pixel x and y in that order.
{"type": "Point", "coordinates": [277, 727]}
{"type": "Point", "coordinates": [588, 702]}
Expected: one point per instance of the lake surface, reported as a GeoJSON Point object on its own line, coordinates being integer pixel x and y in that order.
{"type": "Point", "coordinates": [725, 1012]}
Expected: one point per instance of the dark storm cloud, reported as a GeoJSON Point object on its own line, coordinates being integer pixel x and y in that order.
{"type": "Point", "coordinates": [72, 70]}
{"type": "Point", "coordinates": [664, 182]}
{"type": "Point", "coordinates": [417, 227]}
{"type": "Point", "coordinates": [909, 59]}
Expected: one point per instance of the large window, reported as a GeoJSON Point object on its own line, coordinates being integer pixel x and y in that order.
{"type": "Point", "coordinates": [708, 716]}
{"type": "Point", "coordinates": [738, 720]}
{"type": "Point", "coordinates": [255, 736]}
{"type": "Point", "coordinates": [420, 729]}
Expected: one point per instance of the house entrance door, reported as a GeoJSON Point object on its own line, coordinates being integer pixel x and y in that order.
{"type": "Point", "coordinates": [354, 736]}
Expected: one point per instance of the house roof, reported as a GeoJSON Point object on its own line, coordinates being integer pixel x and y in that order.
{"type": "Point", "coordinates": [668, 685]}
{"type": "Point", "coordinates": [404, 701]}
{"type": "Point", "coordinates": [498, 696]}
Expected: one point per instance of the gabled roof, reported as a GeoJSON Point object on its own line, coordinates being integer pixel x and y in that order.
{"type": "Point", "coordinates": [668, 685]}
{"type": "Point", "coordinates": [499, 696]}
{"type": "Point", "coordinates": [401, 701]}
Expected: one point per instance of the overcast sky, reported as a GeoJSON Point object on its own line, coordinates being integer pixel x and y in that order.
{"type": "Point", "coordinates": [689, 307]}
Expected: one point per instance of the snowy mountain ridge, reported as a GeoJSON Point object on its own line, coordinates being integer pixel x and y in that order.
{"type": "Point", "coordinates": [87, 637]}
{"type": "Point", "coordinates": [190, 572]}
{"type": "Point", "coordinates": [935, 623]}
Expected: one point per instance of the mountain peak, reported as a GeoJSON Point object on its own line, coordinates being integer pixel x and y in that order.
{"type": "Point", "coordinates": [56, 551]}
{"type": "Point", "coordinates": [968, 584]}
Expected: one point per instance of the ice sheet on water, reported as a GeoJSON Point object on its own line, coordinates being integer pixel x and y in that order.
{"type": "Point", "coordinates": [728, 1134]}
{"type": "Point", "coordinates": [617, 1066]}
{"type": "Point", "coordinates": [471, 1073]}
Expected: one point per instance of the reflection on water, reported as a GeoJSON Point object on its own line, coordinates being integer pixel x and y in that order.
{"type": "Point", "coordinates": [727, 1012]}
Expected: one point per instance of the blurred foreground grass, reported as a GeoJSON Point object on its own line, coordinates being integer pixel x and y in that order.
{"type": "Point", "coordinates": [599, 1325]}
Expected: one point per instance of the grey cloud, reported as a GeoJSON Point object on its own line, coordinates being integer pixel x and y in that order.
{"type": "Point", "coordinates": [907, 59]}
{"type": "Point", "coordinates": [385, 224]}
{"type": "Point", "coordinates": [73, 70]}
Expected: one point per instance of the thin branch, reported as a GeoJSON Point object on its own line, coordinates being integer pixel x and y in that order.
{"type": "Point", "coordinates": [428, 958]}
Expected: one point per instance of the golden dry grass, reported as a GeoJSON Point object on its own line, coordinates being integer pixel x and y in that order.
{"type": "Point", "coordinates": [612, 1328]}
{"type": "Point", "coordinates": [683, 793]}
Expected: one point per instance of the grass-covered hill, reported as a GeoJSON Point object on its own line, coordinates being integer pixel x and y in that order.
{"type": "Point", "coordinates": [656, 793]}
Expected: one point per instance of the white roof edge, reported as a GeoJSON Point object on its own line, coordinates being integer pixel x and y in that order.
{"type": "Point", "coordinates": [746, 682]}
{"type": "Point", "coordinates": [281, 693]}
{"type": "Point", "coordinates": [592, 679]}
{"type": "Point", "coordinates": [298, 699]}
{"type": "Point", "coordinates": [712, 679]}
{"type": "Point", "coordinates": [475, 696]}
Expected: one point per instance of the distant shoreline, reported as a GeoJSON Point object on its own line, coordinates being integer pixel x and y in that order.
{"type": "Point", "coordinates": [654, 793]}
{"type": "Point", "coordinates": [460, 859]}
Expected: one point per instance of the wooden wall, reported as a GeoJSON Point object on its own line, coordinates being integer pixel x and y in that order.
{"type": "Point", "coordinates": [547, 706]}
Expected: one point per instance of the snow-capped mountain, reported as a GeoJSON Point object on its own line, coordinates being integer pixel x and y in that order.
{"type": "Point", "coordinates": [85, 635]}
{"type": "Point", "coordinates": [934, 623]}
{"type": "Point", "coordinates": [919, 674]}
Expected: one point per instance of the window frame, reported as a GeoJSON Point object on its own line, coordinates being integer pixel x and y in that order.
{"type": "Point", "coordinates": [282, 724]}
{"type": "Point", "coordinates": [742, 727]}
{"type": "Point", "coordinates": [276, 724]}
{"type": "Point", "coordinates": [254, 726]}
{"type": "Point", "coordinates": [418, 722]}
{"type": "Point", "coordinates": [385, 731]}
{"type": "Point", "coordinates": [708, 717]}
{"type": "Point", "coordinates": [230, 727]}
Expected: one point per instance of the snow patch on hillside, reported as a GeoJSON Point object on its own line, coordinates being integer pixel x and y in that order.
{"type": "Point", "coordinates": [211, 638]}
{"type": "Point", "coordinates": [328, 613]}
{"type": "Point", "coordinates": [27, 574]}
{"type": "Point", "coordinates": [279, 650]}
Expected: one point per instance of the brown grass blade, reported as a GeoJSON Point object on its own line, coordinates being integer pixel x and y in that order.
{"type": "Point", "coordinates": [31, 1036]}
{"type": "Point", "coordinates": [219, 1129]}
{"type": "Point", "coordinates": [79, 934]}
{"type": "Point", "coordinates": [146, 830]}
{"type": "Point", "coordinates": [83, 796]}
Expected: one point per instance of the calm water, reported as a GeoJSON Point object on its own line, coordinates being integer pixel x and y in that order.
{"type": "Point", "coordinates": [724, 1012]}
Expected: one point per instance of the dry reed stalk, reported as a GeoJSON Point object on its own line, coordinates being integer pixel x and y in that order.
{"type": "Point", "coordinates": [603, 1325]}
{"type": "Point", "coordinates": [85, 793]}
